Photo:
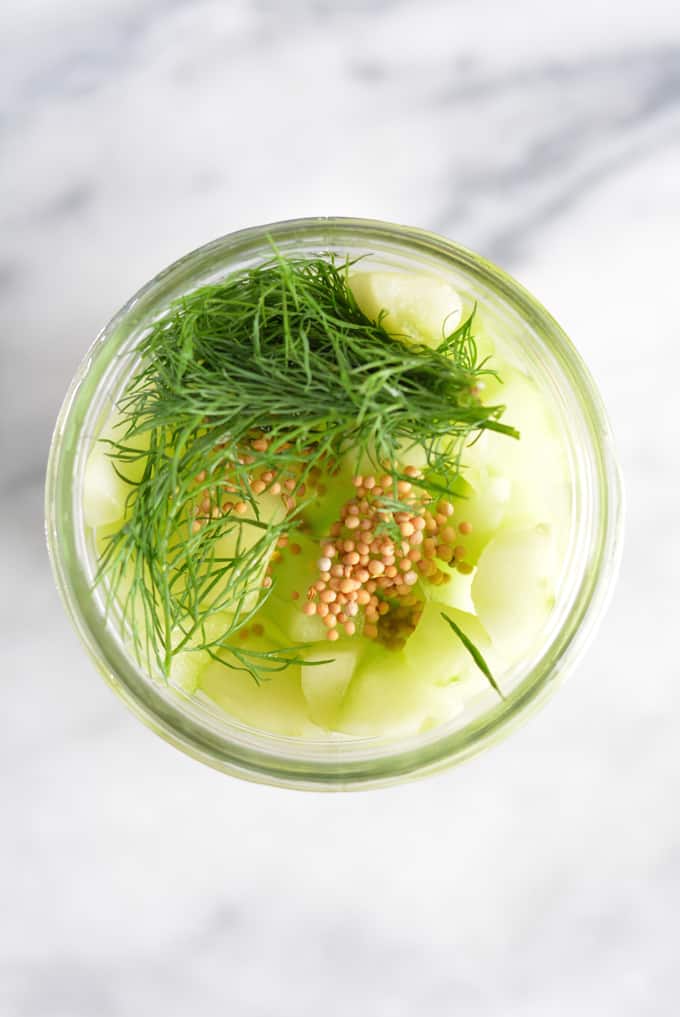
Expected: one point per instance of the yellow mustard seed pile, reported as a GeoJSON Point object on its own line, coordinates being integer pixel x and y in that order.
{"type": "Point", "coordinates": [372, 558]}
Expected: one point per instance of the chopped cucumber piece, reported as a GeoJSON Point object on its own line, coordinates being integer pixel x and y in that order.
{"type": "Point", "coordinates": [187, 665]}
{"type": "Point", "coordinates": [324, 507]}
{"type": "Point", "coordinates": [423, 308]}
{"type": "Point", "coordinates": [243, 536]}
{"type": "Point", "coordinates": [456, 593]}
{"type": "Point", "coordinates": [483, 504]}
{"type": "Point", "coordinates": [296, 626]}
{"type": "Point", "coordinates": [412, 455]}
{"type": "Point", "coordinates": [433, 651]}
{"type": "Point", "coordinates": [514, 588]}
{"type": "Point", "coordinates": [532, 469]}
{"type": "Point", "coordinates": [324, 685]}
{"type": "Point", "coordinates": [105, 492]}
{"type": "Point", "coordinates": [276, 704]}
{"type": "Point", "coordinates": [388, 697]}
{"type": "Point", "coordinates": [253, 526]}
{"type": "Point", "coordinates": [295, 570]}
{"type": "Point", "coordinates": [294, 573]}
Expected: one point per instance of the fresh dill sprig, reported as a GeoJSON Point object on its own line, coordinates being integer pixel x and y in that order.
{"type": "Point", "coordinates": [281, 350]}
{"type": "Point", "coordinates": [474, 653]}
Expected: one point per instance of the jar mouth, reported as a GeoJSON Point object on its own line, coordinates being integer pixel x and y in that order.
{"type": "Point", "coordinates": [357, 762]}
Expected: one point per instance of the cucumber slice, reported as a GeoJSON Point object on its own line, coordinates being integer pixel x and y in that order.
{"type": "Point", "coordinates": [434, 652]}
{"type": "Point", "coordinates": [187, 665]}
{"type": "Point", "coordinates": [270, 511]}
{"type": "Point", "coordinates": [295, 573]}
{"type": "Point", "coordinates": [483, 504]}
{"type": "Point", "coordinates": [105, 493]}
{"type": "Point", "coordinates": [456, 593]}
{"type": "Point", "coordinates": [324, 685]}
{"type": "Point", "coordinates": [514, 588]}
{"type": "Point", "coordinates": [388, 697]}
{"type": "Point", "coordinates": [323, 509]}
{"type": "Point", "coordinates": [296, 626]}
{"type": "Point", "coordinates": [185, 671]}
{"type": "Point", "coordinates": [276, 704]}
{"type": "Point", "coordinates": [421, 307]}
{"type": "Point", "coordinates": [532, 469]}
{"type": "Point", "coordinates": [295, 570]}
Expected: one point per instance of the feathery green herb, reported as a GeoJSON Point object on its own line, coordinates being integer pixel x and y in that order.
{"type": "Point", "coordinates": [474, 653]}
{"type": "Point", "coordinates": [280, 350]}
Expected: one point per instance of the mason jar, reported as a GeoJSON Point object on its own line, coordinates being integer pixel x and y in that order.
{"type": "Point", "coordinates": [192, 722]}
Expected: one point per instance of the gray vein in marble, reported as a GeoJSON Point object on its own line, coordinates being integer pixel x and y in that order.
{"type": "Point", "coordinates": [591, 102]}
{"type": "Point", "coordinates": [82, 67]}
{"type": "Point", "coordinates": [88, 64]}
{"type": "Point", "coordinates": [509, 244]}
{"type": "Point", "coordinates": [73, 200]}
{"type": "Point", "coordinates": [9, 273]}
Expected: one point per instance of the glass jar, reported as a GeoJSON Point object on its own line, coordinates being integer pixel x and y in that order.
{"type": "Point", "coordinates": [197, 727]}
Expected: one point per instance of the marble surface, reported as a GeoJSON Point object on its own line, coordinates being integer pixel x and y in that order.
{"type": "Point", "coordinates": [541, 880]}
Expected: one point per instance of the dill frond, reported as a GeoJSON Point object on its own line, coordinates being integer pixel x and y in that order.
{"type": "Point", "coordinates": [281, 350]}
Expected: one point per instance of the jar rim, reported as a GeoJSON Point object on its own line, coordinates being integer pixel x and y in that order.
{"type": "Point", "coordinates": [276, 759]}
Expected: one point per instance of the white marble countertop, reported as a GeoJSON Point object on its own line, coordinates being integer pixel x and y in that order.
{"type": "Point", "coordinates": [541, 880]}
